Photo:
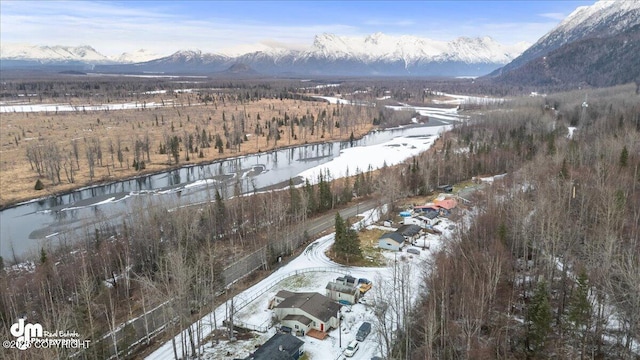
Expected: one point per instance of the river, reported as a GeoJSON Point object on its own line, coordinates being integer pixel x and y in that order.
{"type": "Point", "coordinates": [27, 227]}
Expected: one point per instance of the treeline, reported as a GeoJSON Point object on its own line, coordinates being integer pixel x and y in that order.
{"type": "Point", "coordinates": [548, 267]}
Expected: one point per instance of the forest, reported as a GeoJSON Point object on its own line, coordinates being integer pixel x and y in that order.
{"type": "Point", "coordinates": [547, 265]}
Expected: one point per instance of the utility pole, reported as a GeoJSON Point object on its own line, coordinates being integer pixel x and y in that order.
{"type": "Point", "coordinates": [339, 329]}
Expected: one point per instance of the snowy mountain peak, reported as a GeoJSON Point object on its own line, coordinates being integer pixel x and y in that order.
{"type": "Point", "coordinates": [84, 53]}
{"type": "Point", "coordinates": [594, 44]}
{"type": "Point", "coordinates": [410, 49]}
{"type": "Point", "coordinates": [602, 18]}
{"type": "Point", "coordinates": [141, 55]}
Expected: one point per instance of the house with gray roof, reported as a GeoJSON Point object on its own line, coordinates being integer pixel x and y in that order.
{"type": "Point", "coordinates": [279, 347]}
{"type": "Point", "coordinates": [304, 311]}
{"type": "Point", "coordinates": [391, 241]}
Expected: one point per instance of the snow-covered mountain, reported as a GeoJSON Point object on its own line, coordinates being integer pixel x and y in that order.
{"type": "Point", "coordinates": [411, 49]}
{"type": "Point", "coordinates": [66, 54]}
{"type": "Point", "coordinates": [603, 19]}
{"type": "Point", "coordinates": [376, 54]}
{"type": "Point", "coordinates": [141, 55]}
{"type": "Point", "coordinates": [51, 54]}
{"type": "Point", "coordinates": [329, 54]}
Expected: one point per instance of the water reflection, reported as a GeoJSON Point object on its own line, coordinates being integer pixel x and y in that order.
{"type": "Point", "coordinates": [193, 184]}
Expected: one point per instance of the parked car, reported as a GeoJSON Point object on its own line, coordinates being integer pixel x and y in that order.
{"type": "Point", "coordinates": [364, 285]}
{"type": "Point", "coordinates": [413, 251]}
{"type": "Point", "coordinates": [363, 331]}
{"type": "Point", "coordinates": [351, 349]}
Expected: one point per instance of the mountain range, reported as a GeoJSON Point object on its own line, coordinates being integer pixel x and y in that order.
{"type": "Point", "coordinates": [61, 54]}
{"type": "Point", "coordinates": [330, 54]}
{"type": "Point", "coordinates": [596, 45]}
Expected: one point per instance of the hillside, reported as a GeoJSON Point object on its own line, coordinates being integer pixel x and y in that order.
{"type": "Point", "coordinates": [597, 62]}
{"type": "Point", "coordinates": [595, 46]}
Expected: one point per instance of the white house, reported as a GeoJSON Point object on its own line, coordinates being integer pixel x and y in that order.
{"type": "Point", "coordinates": [305, 311]}
{"type": "Point", "coordinates": [391, 241]}
{"type": "Point", "coordinates": [419, 220]}
{"type": "Point", "coordinates": [344, 294]}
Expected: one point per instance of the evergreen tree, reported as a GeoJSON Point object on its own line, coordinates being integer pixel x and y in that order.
{"type": "Point", "coordinates": [579, 315]}
{"type": "Point", "coordinates": [325, 197]}
{"type": "Point", "coordinates": [43, 256]}
{"type": "Point", "coordinates": [339, 245]}
{"type": "Point", "coordinates": [175, 148]}
{"type": "Point", "coordinates": [353, 244]}
{"type": "Point", "coordinates": [624, 157]}
{"type": "Point", "coordinates": [218, 144]}
{"type": "Point", "coordinates": [39, 185]}
{"type": "Point", "coordinates": [538, 319]}
{"type": "Point", "coordinates": [312, 202]}
{"type": "Point", "coordinates": [347, 243]}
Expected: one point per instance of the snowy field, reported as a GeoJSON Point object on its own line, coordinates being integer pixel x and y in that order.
{"type": "Point", "coordinates": [310, 272]}
{"type": "Point", "coordinates": [465, 99]}
{"type": "Point", "coordinates": [65, 107]}
{"type": "Point", "coordinates": [390, 153]}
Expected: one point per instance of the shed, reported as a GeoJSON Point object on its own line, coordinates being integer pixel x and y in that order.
{"type": "Point", "coordinates": [391, 241]}
{"type": "Point", "coordinates": [347, 280]}
{"type": "Point", "coordinates": [342, 293]}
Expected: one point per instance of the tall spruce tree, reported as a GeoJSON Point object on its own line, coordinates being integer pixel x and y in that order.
{"type": "Point", "coordinates": [538, 319]}
{"type": "Point", "coordinates": [347, 243]}
{"type": "Point", "coordinates": [325, 197]}
{"type": "Point", "coordinates": [580, 311]}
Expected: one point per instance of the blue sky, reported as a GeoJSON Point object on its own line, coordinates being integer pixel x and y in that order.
{"type": "Point", "coordinates": [113, 27]}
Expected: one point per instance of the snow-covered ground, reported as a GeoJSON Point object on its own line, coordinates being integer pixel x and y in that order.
{"type": "Point", "coordinates": [390, 153]}
{"type": "Point", "coordinates": [334, 100]}
{"type": "Point", "coordinates": [65, 107]}
{"type": "Point", "coordinates": [310, 271]}
{"type": "Point", "coordinates": [446, 114]}
{"type": "Point", "coordinates": [466, 99]}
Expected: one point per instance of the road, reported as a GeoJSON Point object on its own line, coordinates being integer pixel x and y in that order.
{"type": "Point", "coordinates": [313, 257]}
{"type": "Point", "coordinates": [156, 319]}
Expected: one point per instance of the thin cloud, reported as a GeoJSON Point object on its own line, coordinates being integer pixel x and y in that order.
{"type": "Point", "coordinates": [112, 30]}
{"type": "Point", "coordinates": [165, 27]}
{"type": "Point", "coordinates": [554, 16]}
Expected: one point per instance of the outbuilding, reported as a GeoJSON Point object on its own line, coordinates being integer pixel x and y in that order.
{"type": "Point", "coordinates": [344, 294]}
{"type": "Point", "coordinates": [391, 241]}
